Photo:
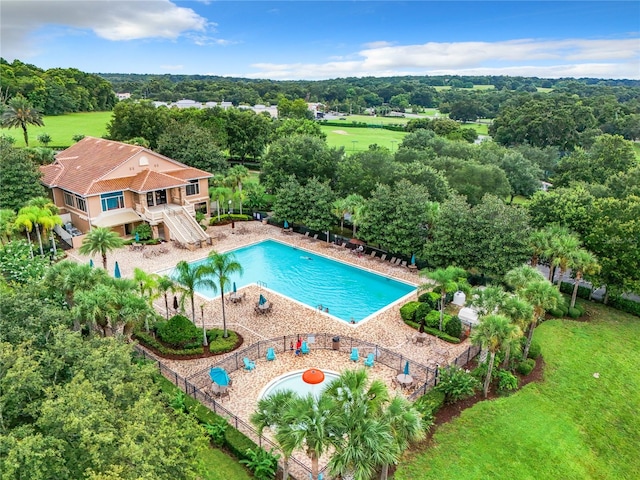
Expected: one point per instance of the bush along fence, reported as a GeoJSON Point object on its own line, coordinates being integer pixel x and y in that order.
{"type": "Point", "coordinates": [196, 385]}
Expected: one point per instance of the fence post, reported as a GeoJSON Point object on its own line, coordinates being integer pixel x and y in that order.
{"type": "Point", "coordinates": [435, 378]}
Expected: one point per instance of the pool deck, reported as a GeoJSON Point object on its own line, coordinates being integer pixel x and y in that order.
{"type": "Point", "coordinates": [287, 317]}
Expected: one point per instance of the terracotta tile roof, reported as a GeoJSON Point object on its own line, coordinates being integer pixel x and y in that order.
{"type": "Point", "coordinates": [149, 180]}
{"type": "Point", "coordinates": [81, 168]}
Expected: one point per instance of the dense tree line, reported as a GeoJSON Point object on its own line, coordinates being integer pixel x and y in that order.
{"type": "Point", "coordinates": [57, 90]}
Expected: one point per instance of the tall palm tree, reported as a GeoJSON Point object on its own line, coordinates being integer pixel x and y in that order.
{"type": "Point", "coordinates": [561, 249]}
{"type": "Point", "coordinates": [46, 218]}
{"type": "Point", "coordinates": [235, 177]}
{"type": "Point", "coordinates": [165, 284]}
{"type": "Point", "coordinates": [519, 312]}
{"type": "Point", "coordinates": [148, 284]}
{"type": "Point", "coordinates": [519, 277]}
{"type": "Point", "coordinates": [340, 209]}
{"type": "Point", "coordinates": [539, 243]}
{"type": "Point", "coordinates": [312, 423]}
{"type": "Point", "coordinates": [101, 240]}
{"type": "Point", "coordinates": [582, 263]}
{"type": "Point", "coordinates": [450, 279]}
{"type": "Point", "coordinates": [219, 194]}
{"type": "Point", "coordinates": [355, 206]}
{"type": "Point", "coordinates": [488, 300]}
{"type": "Point", "coordinates": [270, 414]}
{"type": "Point", "coordinates": [222, 266]}
{"type": "Point", "coordinates": [492, 333]}
{"type": "Point", "coordinates": [542, 296]}
{"type": "Point", "coordinates": [25, 221]}
{"type": "Point", "coordinates": [20, 113]}
{"type": "Point", "coordinates": [191, 277]}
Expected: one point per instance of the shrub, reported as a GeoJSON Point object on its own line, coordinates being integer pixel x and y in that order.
{"type": "Point", "coordinates": [526, 366]}
{"type": "Point", "coordinates": [441, 335]}
{"type": "Point", "coordinates": [432, 320]}
{"type": "Point", "coordinates": [507, 381]}
{"type": "Point", "coordinates": [480, 372]}
{"type": "Point", "coordinates": [574, 312]}
{"type": "Point", "coordinates": [534, 350]}
{"type": "Point", "coordinates": [583, 292]}
{"type": "Point", "coordinates": [238, 444]}
{"type": "Point", "coordinates": [454, 327]}
{"type": "Point", "coordinates": [556, 312]}
{"type": "Point", "coordinates": [421, 312]}
{"type": "Point", "coordinates": [428, 405]}
{"type": "Point", "coordinates": [178, 331]}
{"type": "Point", "coordinates": [144, 231]}
{"type": "Point", "coordinates": [625, 305]}
{"type": "Point", "coordinates": [263, 464]}
{"type": "Point", "coordinates": [456, 384]}
{"type": "Point", "coordinates": [431, 298]}
{"type": "Point", "coordinates": [226, 218]}
{"type": "Point", "coordinates": [151, 342]}
{"type": "Point", "coordinates": [219, 344]}
{"type": "Point", "coordinates": [216, 431]}
{"type": "Point", "coordinates": [408, 311]}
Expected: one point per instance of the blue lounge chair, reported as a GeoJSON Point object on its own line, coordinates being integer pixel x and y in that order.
{"type": "Point", "coordinates": [305, 347]}
{"type": "Point", "coordinates": [248, 364]}
{"type": "Point", "coordinates": [355, 356]}
{"type": "Point", "coordinates": [271, 354]}
{"type": "Point", "coordinates": [369, 361]}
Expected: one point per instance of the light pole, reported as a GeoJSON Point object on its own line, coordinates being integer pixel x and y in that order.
{"type": "Point", "coordinates": [353, 142]}
{"type": "Point", "coordinates": [230, 211]}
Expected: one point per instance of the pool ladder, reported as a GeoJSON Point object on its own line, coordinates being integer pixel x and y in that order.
{"type": "Point", "coordinates": [262, 284]}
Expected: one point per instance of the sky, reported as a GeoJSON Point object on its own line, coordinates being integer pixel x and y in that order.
{"type": "Point", "coordinates": [314, 40]}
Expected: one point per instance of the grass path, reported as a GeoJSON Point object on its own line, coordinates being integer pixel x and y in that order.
{"type": "Point", "coordinates": [571, 426]}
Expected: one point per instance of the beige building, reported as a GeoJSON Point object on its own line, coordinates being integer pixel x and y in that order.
{"type": "Point", "coordinates": [102, 183]}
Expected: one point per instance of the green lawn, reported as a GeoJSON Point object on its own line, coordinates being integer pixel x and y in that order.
{"type": "Point", "coordinates": [371, 120]}
{"type": "Point", "coordinates": [481, 128]}
{"type": "Point", "coordinates": [61, 128]}
{"type": "Point", "coordinates": [355, 139]}
{"type": "Point", "coordinates": [571, 426]}
{"type": "Point", "coordinates": [217, 465]}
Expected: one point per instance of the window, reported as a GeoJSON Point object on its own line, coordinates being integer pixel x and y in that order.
{"type": "Point", "coordinates": [68, 199]}
{"type": "Point", "coordinates": [112, 201]}
{"type": "Point", "coordinates": [193, 188]}
{"type": "Point", "coordinates": [75, 201]}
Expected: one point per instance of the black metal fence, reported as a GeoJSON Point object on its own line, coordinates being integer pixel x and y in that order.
{"type": "Point", "coordinates": [196, 384]}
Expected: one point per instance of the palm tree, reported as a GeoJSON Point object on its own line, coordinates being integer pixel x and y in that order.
{"type": "Point", "coordinates": [235, 177]}
{"type": "Point", "coordinates": [312, 423]}
{"type": "Point", "coordinates": [520, 312]}
{"type": "Point", "coordinates": [583, 262]}
{"type": "Point", "coordinates": [191, 277]}
{"type": "Point", "coordinates": [450, 279]}
{"type": "Point", "coordinates": [46, 217]}
{"type": "Point", "coordinates": [561, 249]}
{"type": "Point", "coordinates": [492, 333]}
{"type": "Point", "coordinates": [519, 277]}
{"type": "Point", "coordinates": [340, 209]}
{"type": "Point", "coordinates": [222, 266]}
{"type": "Point", "coordinates": [488, 300]}
{"type": "Point", "coordinates": [542, 296]}
{"type": "Point", "coordinates": [20, 113]}
{"type": "Point", "coordinates": [148, 284]}
{"type": "Point", "coordinates": [219, 194]}
{"type": "Point", "coordinates": [270, 414]}
{"type": "Point", "coordinates": [25, 221]}
{"type": "Point", "coordinates": [355, 205]}
{"type": "Point", "coordinates": [100, 240]}
{"type": "Point", "coordinates": [539, 243]}
{"type": "Point", "coordinates": [165, 284]}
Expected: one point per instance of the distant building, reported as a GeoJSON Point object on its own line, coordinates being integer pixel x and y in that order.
{"type": "Point", "coordinates": [123, 96]}
{"type": "Point", "coordinates": [545, 186]}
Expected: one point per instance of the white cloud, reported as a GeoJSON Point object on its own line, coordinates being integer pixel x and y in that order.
{"type": "Point", "coordinates": [529, 57]}
{"type": "Point", "coordinates": [111, 20]}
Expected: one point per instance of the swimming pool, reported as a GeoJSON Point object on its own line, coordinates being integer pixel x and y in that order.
{"type": "Point", "coordinates": [348, 292]}
{"type": "Point", "coordinates": [293, 381]}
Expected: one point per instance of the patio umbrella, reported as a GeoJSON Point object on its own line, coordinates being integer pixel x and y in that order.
{"type": "Point", "coordinates": [91, 262]}
{"type": "Point", "coordinates": [413, 259]}
{"type": "Point", "coordinates": [262, 300]}
{"type": "Point", "coordinates": [116, 272]}
{"type": "Point", "coordinates": [219, 376]}
{"type": "Point", "coordinates": [234, 287]}
{"type": "Point", "coordinates": [137, 237]}
{"type": "Point", "coordinates": [286, 224]}
{"type": "Point", "coordinates": [356, 241]}
{"type": "Point", "coordinates": [175, 303]}
{"type": "Point", "coordinates": [406, 368]}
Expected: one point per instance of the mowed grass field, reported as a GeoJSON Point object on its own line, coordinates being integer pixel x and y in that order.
{"type": "Point", "coordinates": [358, 139]}
{"type": "Point", "coordinates": [571, 426]}
{"type": "Point", "coordinates": [62, 128]}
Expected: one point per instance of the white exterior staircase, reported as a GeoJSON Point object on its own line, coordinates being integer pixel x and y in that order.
{"type": "Point", "coordinates": [183, 227]}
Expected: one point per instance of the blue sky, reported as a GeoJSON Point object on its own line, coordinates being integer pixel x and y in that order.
{"type": "Point", "coordinates": [328, 39]}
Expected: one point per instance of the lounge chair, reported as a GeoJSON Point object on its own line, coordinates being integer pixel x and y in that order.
{"type": "Point", "coordinates": [393, 260]}
{"type": "Point", "coordinates": [373, 254]}
{"type": "Point", "coordinates": [306, 234]}
{"type": "Point", "coordinates": [383, 257]}
{"type": "Point", "coordinates": [315, 237]}
{"type": "Point", "coordinates": [271, 354]}
{"type": "Point", "coordinates": [369, 361]}
{"type": "Point", "coordinates": [403, 263]}
{"type": "Point", "coordinates": [355, 356]}
{"type": "Point", "coordinates": [305, 347]}
{"type": "Point", "coordinates": [248, 364]}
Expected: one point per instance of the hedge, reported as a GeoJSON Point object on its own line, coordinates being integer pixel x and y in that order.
{"type": "Point", "coordinates": [625, 305]}
{"type": "Point", "coordinates": [441, 335]}
{"type": "Point", "coordinates": [583, 292]}
{"type": "Point", "coordinates": [408, 310]}
{"type": "Point", "coordinates": [226, 218]}
{"type": "Point", "coordinates": [149, 340]}
{"type": "Point", "coordinates": [238, 444]}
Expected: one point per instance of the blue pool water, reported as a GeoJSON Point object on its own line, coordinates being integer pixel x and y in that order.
{"type": "Point", "coordinates": [348, 292]}
{"type": "Point", "coordinates": [293, 381]}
